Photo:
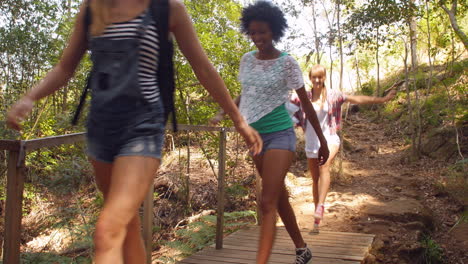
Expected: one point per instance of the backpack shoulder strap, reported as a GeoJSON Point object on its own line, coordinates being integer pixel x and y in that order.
{"type": "Point", "coordinates": [160, 11]}
{"type": "Point", "coordinates": [87, 23]}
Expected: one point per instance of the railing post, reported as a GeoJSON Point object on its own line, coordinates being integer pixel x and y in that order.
{"type": "Point", "coordinates": [221, 175]}
{"type": "Point", "coordinates": [14, 207]}
{"type": "Point", "coordinates": [148, 222]}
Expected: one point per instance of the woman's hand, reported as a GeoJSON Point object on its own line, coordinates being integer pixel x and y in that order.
{"type": "Point", "coordinates": [18, 112]}
{"type": "Point", "coordinates": [323, 152]}
{"type": "Point", "coordinates": [251, 137]}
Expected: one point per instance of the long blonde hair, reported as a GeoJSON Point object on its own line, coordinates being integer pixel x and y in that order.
{"type": "Point", "coordinates": [100, 15]}
{"type": "Point", "coordinates": [321, 70]}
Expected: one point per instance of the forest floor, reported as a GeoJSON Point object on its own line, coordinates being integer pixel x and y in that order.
{"type": "Point", "coordinates": [403, 203]}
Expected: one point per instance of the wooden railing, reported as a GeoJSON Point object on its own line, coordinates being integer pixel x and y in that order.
{"type": "Point", "coordinates": [17, 151]}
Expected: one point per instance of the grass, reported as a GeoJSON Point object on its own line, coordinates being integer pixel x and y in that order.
{"type": "Point", "coordinates": [432, 253]}
{"type": "Point", "coordinates": [197, 235]}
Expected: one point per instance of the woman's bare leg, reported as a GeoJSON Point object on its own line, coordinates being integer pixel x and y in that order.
{"type": "Point", "coordinates": [324, 171]}
{"type": "Point", "coordinates": [131, 178]}
{"type": "Point", "coordinates": [133, 247]}
{"type": "Point", "coordinates": [272, 166]}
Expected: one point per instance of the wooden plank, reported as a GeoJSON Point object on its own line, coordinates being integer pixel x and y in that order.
{"type": "Point", "coordinates": [14, 208]}
{"type": "Point", "coordinates": [275, 256]}
{"type": "Point", "coordinates": [183, 127]}
{"type": "Point", "coordinates": [250, 259]}
{"type": "Point", "coordinates": [326, 248]}
{"type": "Point", "coordinates": [221, 175]}
{"type": "Point", "coordinates": [198, 261]}
{"type": "Point", "coordinates": [78, 137]}
{"type": "Point", "coordinates": [289, 252]}
{"type": "Point", "coordinates": [282, 232]}
{"type": "Point", "coordinates": [148, 223]}
{"type": "Point", "coordinates": [283, 235]}
{"type": "Point", "coordinates": [306, 230]}
{"type": "Point", "coordinates": [48, 142]}
{"type": "Point", "coordinates": [13, 145]}
{"type": "Point", "coordinates": [288, 242]}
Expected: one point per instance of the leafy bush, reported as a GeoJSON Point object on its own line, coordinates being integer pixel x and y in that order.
{"type": "Point", "coordinates": [199, 234]}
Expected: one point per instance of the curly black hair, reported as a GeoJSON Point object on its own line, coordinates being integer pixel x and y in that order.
{"type": "Point", "coordinates": [266, 12]}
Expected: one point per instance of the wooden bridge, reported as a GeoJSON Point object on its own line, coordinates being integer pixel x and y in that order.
{"type": "Point", "coordinates": [239, 247]}
{"type": "Point", "coordinates": [327, 248]}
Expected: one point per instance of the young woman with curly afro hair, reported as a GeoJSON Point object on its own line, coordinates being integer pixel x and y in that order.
{"type": "Point", "coordinates": [267, 75]}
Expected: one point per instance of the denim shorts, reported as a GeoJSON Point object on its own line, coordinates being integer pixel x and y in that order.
{"type": "Point", "coordinates": [284, 139]}
{"type": "Point", "coordinates": [133, 134]}
{"type": "Point", "coordinates": [147, 146]}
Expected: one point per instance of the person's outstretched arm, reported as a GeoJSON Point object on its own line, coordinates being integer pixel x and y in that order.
{"type": "Point", "coordinates": [363, 99]}
{"type": "Point", "coordinates": [56, 78]}
{"type": "Point", "coordinates": [220, 115]}
{"type": "Point", "coordinates": [312, 117]}
{"type": "Point", "coordinates": [184, 32]}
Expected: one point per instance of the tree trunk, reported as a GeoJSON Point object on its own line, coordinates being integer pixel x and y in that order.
{"type": "Point", "coordinates": [330, 40]}
{"type": "Point", "coordinates": [377, 62]}
{"type": "Point", "coordinates": [418, 130]}
{"type": "Point", "coordinates": [408, 100]}
{"type": "Point", "coordinates": [429, 47]}
{"type": "Point", "coordinates": [340, 40]}
{"type": "Point", "coordinates": [317, 40]}
{"type": "Point", "coordinates": [413, 27]}
{"type": "Point", "coordinates": [357, 72]}
{"type": "Point", "coordinates": [453, 21]}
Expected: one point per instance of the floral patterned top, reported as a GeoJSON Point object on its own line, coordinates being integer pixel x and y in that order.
{"type": "Point", "coordinates": [266, 84]}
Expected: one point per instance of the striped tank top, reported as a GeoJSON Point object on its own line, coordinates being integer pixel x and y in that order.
{"type": "Point", "coordinates": [149, 52]}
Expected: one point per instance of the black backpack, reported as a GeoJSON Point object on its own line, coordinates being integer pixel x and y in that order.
{"type": "Point", "coordinates": [165, 74]}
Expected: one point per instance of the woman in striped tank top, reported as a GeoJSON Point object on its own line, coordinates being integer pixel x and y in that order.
{"type": "Point", "coordinates": [125, 127]}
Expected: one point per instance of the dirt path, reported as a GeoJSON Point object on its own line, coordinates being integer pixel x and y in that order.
{"type": "Point", "coordinates": [382, 194]}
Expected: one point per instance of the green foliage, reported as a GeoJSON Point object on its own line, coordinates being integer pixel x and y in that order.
{"type": "Point", "coordinates": [456, 181]}
{"type": "Point", "coordinates": [217, 25]}
{"type": "Point", "coordinates": [434, 109]}
{"type": "Point", "coordinates": [47, 258]}
{"type": "Point", "coordinates": [368, 89]}
{"type": "Point", "coordinates": [200, 234]}
{"type": "Point", "coordinates": [237, 190]}
{"type": "Point", "coordinates": [33, 35]}
{"type": "Point", "coordinates": [369, 23]}
{"type": "Point", "coordinates": [59, 170]}
{"type": "Point", "coordinates": [433, 253]}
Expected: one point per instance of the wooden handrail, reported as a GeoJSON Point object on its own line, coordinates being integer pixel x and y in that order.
{"type": "Point", "coordinates": [53, 141]}
{"type": "Point", "coordinates": [10, 144]}
{"type": "Point", "coordinates": [17, 151]}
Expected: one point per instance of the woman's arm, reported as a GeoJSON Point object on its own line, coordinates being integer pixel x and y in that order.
{"type": "Point", "coordinates": [312, 117]}
{"type": "Point", "coordinates": [181, 25]}
{"type": "Point", "coordinates": [57, 77]}
{"type": "Point", "coordinates": [363, 99]}
{"type": "Point", "coordinates": [220, 115]}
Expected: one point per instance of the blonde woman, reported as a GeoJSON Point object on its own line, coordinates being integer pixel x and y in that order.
{"type": "Point", "coordinates": [327, 104]}
{"type": "Point", "coordinates": [125, 128]}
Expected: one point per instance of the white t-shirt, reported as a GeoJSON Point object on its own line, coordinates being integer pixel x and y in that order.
{"type": "Point", "coordinates": [266, 84]}
{"type": "Point", "coordinates": [312, 144]}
